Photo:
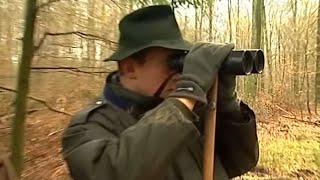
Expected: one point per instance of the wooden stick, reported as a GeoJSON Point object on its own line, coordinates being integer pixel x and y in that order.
{"type": "Point", "coordinates": [209, 134]}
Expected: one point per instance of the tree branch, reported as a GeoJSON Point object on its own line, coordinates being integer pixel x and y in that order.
{"type": "Point", "coordinates": [62, 71]}
{"type": "Point", "coordinates": [315, 123]}
{"type": "Point", "coordinates": [79, 47]}
{"type": "Point", "coordinates": [36, 48]}
{"type": "Point", "coordinates": [38, 100]}
{"type": "Point", "coordinates": [43, 5]}
{"type": "Point", "coordinates": [116, 4]}
{"type": "Point", "coordinates": [78, 33]}
{"type": "Point", "coordinates": [7, 116]}
{"type": "Point", "coordinates": [66, 46]}
{"type": "Point", "coordinates": [66, 57]}
{"type": "Point", "coordinates": [74, 69]}
{"type": "Point", "coordinates": [83, 35]}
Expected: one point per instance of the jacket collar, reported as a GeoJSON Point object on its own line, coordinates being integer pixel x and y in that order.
{"type": "Point", "coordinates": [128, 100]}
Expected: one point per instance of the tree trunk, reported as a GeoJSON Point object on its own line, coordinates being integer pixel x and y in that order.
{"type": "Point", "coordinates": [17, 134]}
{"type": "Point", "coordinates": [295, 60]}
{"type": "Point", "coordinates": [268, 37]}
{"type": "Point", "coordinates": [305, 74]}
{"type": "Point", "coordinates": [201, 19]}
{"type": "Point", "coordinates": [91, 24]}
{"type": "Point", "coordinates": [230, 22]}
{"type": "Point", "coordinates": [252, 81]}
{"type": "Point", "coordinates": [256, 24]}
{"type": "Point", "coordinates": [308, 94]}
{"type": "Point", "coordinates": [317, 92]}
{"type": "Point", "coordinates": [185, 27]}
{"type": "Point", "coordinates": [238, 43]}
{"type": "Point", "coordinates": [238, 20]}
{"type": "Point", "coordinates": [195, 24]}
{"type": "Point", "coordinates": [10, 33]}
{"type": "Point", "coordinates": [211, 5]}
{"type": "Point", "coordinates": [264, 41]}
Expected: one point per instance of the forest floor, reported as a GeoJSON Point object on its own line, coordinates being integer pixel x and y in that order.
{"type": "Point", "coordinates": [289, 145]}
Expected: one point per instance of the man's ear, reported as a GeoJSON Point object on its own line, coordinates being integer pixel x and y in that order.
{"type": "Point", "coordinates": [128, 68]}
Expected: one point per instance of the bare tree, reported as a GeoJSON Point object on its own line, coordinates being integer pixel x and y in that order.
{"type": "Point", "coordinates": [317, 80]}
{"type": "Point", "coordinates": [230, 21]}
{"type": "Point", "coordinates": [17, 142]}
{"type": "Point", "coordinates": [210, 16]}
{"type": "Point", "coordinates": [252, 81]}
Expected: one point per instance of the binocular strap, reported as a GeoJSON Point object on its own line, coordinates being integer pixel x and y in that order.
{"type": "Point", "coordinates": [163, 85]}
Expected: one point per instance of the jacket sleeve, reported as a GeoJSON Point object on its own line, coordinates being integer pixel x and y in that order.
{"type": "Point", "coordinates": [237, 142]}
{"type": "Point", "coordinates": [141, 152]}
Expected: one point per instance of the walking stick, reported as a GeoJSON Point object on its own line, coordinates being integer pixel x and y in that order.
{"type": "Point", "coordinates": [209, 134]}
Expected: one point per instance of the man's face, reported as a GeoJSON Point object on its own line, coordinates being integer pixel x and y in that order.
{"type": "Point", "coordinates": [154, 71]}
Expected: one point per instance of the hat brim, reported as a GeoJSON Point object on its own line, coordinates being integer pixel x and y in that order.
{"type": "Point", "coordinates": [123, 52]}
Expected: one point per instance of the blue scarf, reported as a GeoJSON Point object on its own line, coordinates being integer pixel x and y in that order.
{"type": "Point", "coordinates": [111, 96]}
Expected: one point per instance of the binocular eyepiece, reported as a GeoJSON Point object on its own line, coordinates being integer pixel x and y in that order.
{"type": "Point", "coordinates": [238, 62]}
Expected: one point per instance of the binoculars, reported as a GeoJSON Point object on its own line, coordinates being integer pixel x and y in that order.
{"type": "Point", "coordinates": [238, 62]}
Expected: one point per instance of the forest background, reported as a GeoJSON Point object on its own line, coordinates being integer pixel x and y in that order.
{"type": "Point", "coordinates": [71, 37]}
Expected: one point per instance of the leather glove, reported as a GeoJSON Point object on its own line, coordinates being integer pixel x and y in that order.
{"type": "Point", "coordinates": [201, 67]}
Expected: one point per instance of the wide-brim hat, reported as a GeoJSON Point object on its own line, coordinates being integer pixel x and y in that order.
{"type": "Point", "coordinates": [152, 26]}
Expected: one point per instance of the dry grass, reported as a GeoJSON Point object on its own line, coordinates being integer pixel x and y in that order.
{"type": "Point", "coordinates": [289, 148]}
{"type": "Point", "coordinates": [285, 157]}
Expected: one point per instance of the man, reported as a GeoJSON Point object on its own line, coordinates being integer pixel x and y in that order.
{"type": "Point", "coordinates": [149, 122]}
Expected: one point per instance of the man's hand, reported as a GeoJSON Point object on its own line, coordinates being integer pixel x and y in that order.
{"type": "Point", "coordinates": [227, 97]}
{"type": "Point", "coordinates": [200, 69]}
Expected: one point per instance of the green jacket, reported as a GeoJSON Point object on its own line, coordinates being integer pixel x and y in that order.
{"type": "Point", "coordinates": [104, 141]}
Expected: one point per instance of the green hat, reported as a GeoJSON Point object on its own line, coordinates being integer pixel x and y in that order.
{"type": "Point", "coordinates": [153, 26]}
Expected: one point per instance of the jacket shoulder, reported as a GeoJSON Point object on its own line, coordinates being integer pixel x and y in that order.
{"type": "Point", "coordinates": [104, 113]}
{"type": "Point", "coordinates": [82, 116]}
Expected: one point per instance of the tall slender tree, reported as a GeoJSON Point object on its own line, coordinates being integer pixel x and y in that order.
{"type": "Point", "coordinates": [211, 18]}
{"type": "Point", "coordinates": [252, 81]}
{"type": "Point", "coordinates": [295, 44]}
{"type": "Point", "coordinates": [230, 21]}
{"type": "Point", "coordinates": [17, 142]}
{"type": "Point", "coordinates": [317, 84]}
